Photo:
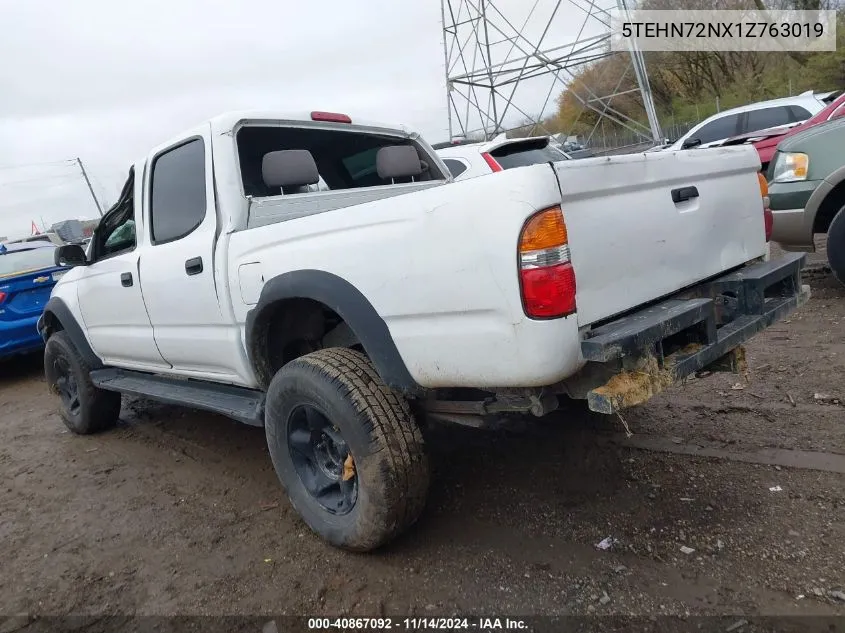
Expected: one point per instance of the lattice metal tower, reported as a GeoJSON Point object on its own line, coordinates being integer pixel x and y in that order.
{"type": "Point", "coordinates": [507, 61]}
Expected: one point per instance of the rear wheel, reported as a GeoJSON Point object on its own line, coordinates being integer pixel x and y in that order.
{"type": "Point", "coordinates": [836, 246]}
{"type": "Point", "coordinates": [346, 448]}
{"type": "Point", "coordinates": [83, 407]}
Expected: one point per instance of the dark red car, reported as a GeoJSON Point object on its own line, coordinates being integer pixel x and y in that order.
{"type": "Point", "coordinates": [766, 141]}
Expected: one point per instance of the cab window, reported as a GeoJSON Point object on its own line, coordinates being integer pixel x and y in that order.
{"type": "Point", "coordinates": [116, 231]}
{"type": "Point", "coordinates": [178, 201]}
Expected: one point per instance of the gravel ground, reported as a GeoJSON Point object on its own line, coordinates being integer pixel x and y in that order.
{"type": "Point", "coordinates": [179, 512]}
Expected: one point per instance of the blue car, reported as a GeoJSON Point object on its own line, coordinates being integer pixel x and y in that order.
{"type": "Point", "coordinates": [27, 275]}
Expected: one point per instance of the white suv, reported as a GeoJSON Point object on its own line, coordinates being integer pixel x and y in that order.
{"type": "Point", "coordinates": [468, 160]}
{"type": "Point", "coordinates": [762, 115]}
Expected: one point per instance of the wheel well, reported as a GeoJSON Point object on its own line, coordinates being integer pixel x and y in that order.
{"type": "Point", "coordinates": [52, 324]}
{"type": "Point", "coordinates": [291, 328]}
{"type": "Point", "coordinates": [829, 207]}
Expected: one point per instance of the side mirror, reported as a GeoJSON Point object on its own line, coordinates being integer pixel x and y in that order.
{"type": "Point", "coordinates": [70, 255]}
{"type": "Point", "coordinates": [690, 143]}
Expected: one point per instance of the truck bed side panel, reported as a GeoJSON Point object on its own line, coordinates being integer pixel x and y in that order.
{"type": "Point", "coordinates": [440, 267]}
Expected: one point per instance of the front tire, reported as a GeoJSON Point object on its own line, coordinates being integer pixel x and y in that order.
{"type": "Point", "coordinates": [346, 448]}
{"type": "Point", "coordinates": [836, 246]}
{"type": "Point", "coordinates": [84, 408]}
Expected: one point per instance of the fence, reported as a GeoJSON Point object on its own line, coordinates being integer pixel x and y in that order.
{"type": "Point", "coordinates": [602, 143]}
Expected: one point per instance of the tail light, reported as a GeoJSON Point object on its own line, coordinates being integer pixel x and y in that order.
{"type": "Point", "coordinates": [546, 276]}
{"type": "Point", "coordinates": [2, 297]}
{"type": "Point", "coordinates": [491, 162]}
{"type": "Point", "coordinates": [768, 218]}
{"type": "Point", "coordinates": [769, 221]}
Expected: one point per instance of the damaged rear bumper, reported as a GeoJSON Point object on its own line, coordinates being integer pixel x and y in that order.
{"type": "Point", "coordinates": [642, 353]}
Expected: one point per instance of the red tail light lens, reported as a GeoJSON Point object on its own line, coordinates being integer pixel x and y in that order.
{"type": "Point", "coordinates": [769, 221]}
{"type": "Point", "coordinates": [332, 117]}
{"type": "Point", "coordinates": [494, 166]}
{"type": "Point", "coordinates": [549, 292]}
{"type": "Point", "coordinates": [2, 297]}
{"type": "Point", "coordinates": [768, 218]}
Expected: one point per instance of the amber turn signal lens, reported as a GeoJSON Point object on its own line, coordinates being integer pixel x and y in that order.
{"type": "Point", "coordinates": [544, 230]}
{"type": "Point", "coordinates": [764, 186]}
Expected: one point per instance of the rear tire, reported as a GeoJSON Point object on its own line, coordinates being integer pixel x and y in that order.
{"type": "Point", "coordinates": [346, 448]}
{"type": "Point", "coordinates": [836, 246]}
{"type": "Point", "coordinates": [83, 407]}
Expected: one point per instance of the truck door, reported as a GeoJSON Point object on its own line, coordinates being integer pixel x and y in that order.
{"type": "Point", "coordinates": [191, 323]}
{"type": "Point", "coordinates": [109, 291]}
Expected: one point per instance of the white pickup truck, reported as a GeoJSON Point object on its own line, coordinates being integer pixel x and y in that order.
{"type": "Point", "coordinates": [326, 279]}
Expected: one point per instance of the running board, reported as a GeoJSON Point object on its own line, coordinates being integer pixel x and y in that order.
{"type": "Point", "coordinates": [243, 405]}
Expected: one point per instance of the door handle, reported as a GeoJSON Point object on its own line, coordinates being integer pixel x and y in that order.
{"type": "Point", "coordinates": [683, 194]}
{"type": "Point", "coordinates": [126, 279]}
{"type": "Point", "coordinates": [193, 266]}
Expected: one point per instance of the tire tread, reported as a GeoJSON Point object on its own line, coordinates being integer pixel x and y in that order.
{"type": "Point", "coordinates": [394, 427]}
{"type": "Point", "coordinates": [100, 409]}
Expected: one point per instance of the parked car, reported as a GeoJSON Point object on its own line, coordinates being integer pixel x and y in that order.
{"type": "Point", "coordinates": [766, 141]}
{"type": "Point", "coordinates": [807, 191]}
{"type": "Point", "coordinates": [27, 275]}
{"type": "Point", "coordinates": [49, 237]}
{"type": "Point", "coordinates": [469, 160]}
{"type": "Point", "coordinates": [789, 111]}
{"type": "Point", "coordinates": [342, 320]}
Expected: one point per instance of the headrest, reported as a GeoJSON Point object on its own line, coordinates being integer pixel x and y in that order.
{"type": "Point", "coordinates": [289, 168]}
{"type": "Point", "coordinates": [398, 161]}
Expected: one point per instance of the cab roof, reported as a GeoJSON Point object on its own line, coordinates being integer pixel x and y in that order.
{"type": "Point", "coordinates": [228, 121]}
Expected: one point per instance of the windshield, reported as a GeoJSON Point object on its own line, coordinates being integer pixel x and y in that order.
{"type": "Point", "coordinates": [16, 262]}
{"type": "Point", "coordinates": [516, 155]}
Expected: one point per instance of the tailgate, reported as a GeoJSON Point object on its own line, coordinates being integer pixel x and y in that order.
{"type": "Point", "coordinates": [631, 243]}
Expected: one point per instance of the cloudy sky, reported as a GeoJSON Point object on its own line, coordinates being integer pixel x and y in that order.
{"type": "Point", "coordinates": [105, 80]}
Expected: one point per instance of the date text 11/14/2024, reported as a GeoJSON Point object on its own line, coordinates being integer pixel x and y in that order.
{"type": "Point", "coordinates": [417, 624]}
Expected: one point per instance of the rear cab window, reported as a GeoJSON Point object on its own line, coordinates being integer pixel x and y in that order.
{"type": "Point", "coordinates": [16, 262]}
{"type": "Point", "coordinates": [344, 160]}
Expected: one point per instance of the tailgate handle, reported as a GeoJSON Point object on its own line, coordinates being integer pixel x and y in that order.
{"type": "Point", "coordinates": [126, 279]}
{"type": "Point", "coordinates": [683, 194]}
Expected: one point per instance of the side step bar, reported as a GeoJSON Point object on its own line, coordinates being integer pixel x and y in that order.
{"type": "Point", "coordinates": [243, 405]}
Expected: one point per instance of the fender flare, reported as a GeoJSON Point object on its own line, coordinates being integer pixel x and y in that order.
{"type": "Point", "coordinates": [57, 309]}
{"type": "Point", "coordinates": [347, 301]}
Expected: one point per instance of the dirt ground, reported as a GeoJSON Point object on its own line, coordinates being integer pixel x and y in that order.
{"type": "Point", "coordinates": [179, 512]}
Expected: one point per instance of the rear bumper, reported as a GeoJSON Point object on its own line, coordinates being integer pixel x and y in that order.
{"type": "Point", "coordinates": [19, 337]}
{"type": "Point", "coordinates": [698, 328]}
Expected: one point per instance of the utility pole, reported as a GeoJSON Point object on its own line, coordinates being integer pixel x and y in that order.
{"type": "Point", "coordinates": [90, 188]}
{"type": "Point", "coordinates": [446, 62]}
{"type": "Point", "coordinates": [638, 62]}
